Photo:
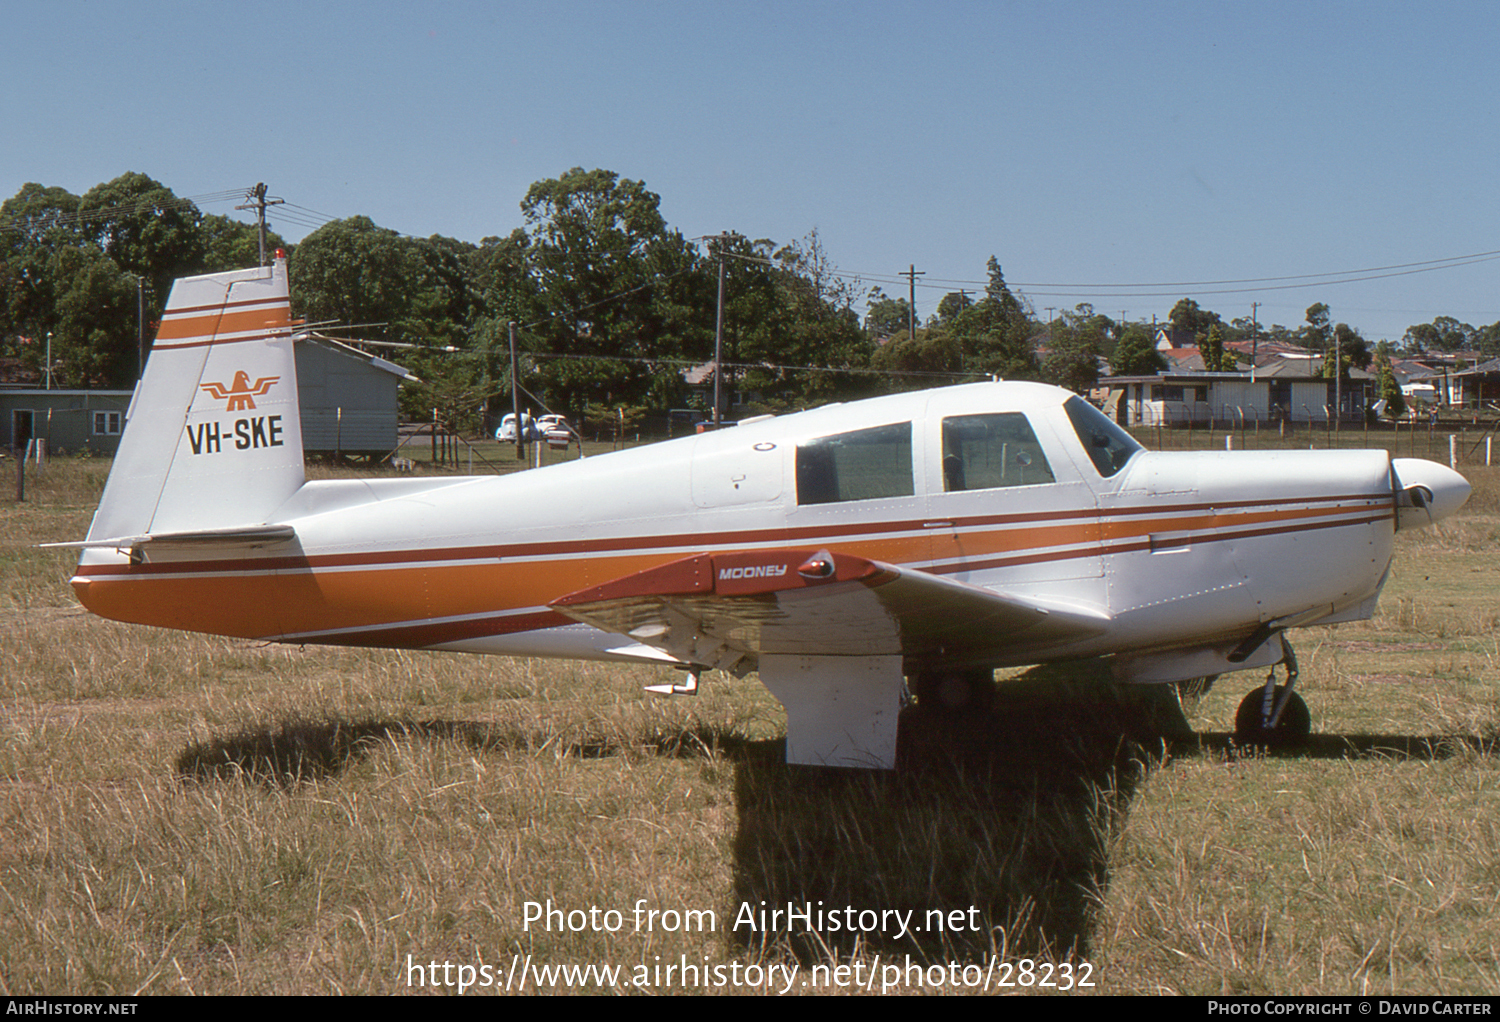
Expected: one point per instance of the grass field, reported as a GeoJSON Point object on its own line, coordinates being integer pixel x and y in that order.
{"type": "Point", "coordinates": [183, 813]}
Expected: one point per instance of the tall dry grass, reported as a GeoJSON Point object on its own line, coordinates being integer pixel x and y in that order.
{"type": "Point", "coordinates": [183, 813]}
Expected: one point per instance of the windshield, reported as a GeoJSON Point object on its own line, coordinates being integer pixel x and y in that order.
{"type": "Point", "coordinates": [1109, 446]}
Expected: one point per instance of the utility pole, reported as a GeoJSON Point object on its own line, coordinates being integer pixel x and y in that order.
{"type": "Point", "coordinates": [719, 337]}
{"type": "Point", "coordinates": [1254, 334]}
{"type": "Point", "coordinates": [1338, 381]}
{"type": "Point", "coordinates": [911, 276]}
{"type": "Point", "coordinates": [515, 395]}
{"type": "Point", "coordinates": [140, 325]}
{"type": "Point", "coordinates": [722, 239]}
{"type": "Point", "coordinates": [259, 202]}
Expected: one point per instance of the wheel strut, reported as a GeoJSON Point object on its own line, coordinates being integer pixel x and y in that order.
{"type": "Point", "coordinates": [1272, 708]}
{"type": "Point", "coordinates": [1274, 714]}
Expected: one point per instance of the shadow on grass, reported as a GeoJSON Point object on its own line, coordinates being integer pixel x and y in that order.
{"type": "Point", "coordinates": [297, 751]}
{"type": "Point", "coordinates": [1349, 746]}
{"type": "Point", "coordinates": [994, 833]}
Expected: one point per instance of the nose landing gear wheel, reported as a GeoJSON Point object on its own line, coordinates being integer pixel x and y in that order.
{"type": "Point", "coordinates": [1252, 726]}
{"type": "Point", "coordinates": [1273, 715]}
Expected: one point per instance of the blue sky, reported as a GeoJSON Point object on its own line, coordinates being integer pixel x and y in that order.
{"type": "Point", "coordinates": [1114, 153]}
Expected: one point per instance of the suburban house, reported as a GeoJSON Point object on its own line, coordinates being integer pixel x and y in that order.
{"type": "Point", "coordinates": [1289, 390]}
{"type": "Point", "coordinates": [1474, 387]}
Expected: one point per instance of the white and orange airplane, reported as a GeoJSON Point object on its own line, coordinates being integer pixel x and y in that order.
{"type": "Point", "coordinates": [930, 537]}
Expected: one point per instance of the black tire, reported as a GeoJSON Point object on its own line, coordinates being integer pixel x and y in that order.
{"type": "Point", "coordinates": [955, 691]}
{"type": "Point", "coordinates": [1293, 727]}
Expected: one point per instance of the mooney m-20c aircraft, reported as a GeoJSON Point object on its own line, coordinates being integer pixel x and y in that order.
{"type": "Point", "coordinates": [931, 536]}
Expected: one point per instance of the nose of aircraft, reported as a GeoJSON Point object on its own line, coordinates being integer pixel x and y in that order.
{"type": "Point", "coordinates": [1426, 492]}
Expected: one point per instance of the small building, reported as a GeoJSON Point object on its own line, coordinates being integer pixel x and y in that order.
{"type": "Point", "coordinates": [349, 403]}
{"type": "Point", "coordinates": [350, 399]}
{"type": "Point", "coordinates": [1289, 391]}
{"type": "Point", "coordinates": [1474, 387]}
{"type": "Point", "coordinates": [71, 421]}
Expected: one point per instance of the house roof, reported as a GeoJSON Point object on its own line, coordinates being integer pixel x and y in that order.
{"type": "Point", "coordinates": [1298, 370]}
{"type": "Point", "coordinates": [14, 373]}
{"type": "Point", "coordinates": [1482, 369]}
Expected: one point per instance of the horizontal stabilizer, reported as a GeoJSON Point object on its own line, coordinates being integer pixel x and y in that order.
{"type": "Point", "coordinates": [251, 535]}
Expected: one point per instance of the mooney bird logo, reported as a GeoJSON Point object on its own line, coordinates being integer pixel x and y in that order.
{"type": "Point", "coordinates": [242, 393]}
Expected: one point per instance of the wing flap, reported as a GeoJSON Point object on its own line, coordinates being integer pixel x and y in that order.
{"type": "Point", "coordinates": [728, 609]}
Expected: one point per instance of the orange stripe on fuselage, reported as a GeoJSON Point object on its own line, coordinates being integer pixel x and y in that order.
{"type": "Point", "coordinates": [274, 597]}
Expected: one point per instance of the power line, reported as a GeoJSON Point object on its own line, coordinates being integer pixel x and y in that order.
{"type": "Point", "coordinates": [26, 221]}
{"type": "Point", "coordinates": [1246, 285]}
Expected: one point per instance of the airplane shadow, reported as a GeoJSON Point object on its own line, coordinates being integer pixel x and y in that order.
{"type": "Point", "coordinates": [296, 751]}
{"type": "Point", "coordinates": [993, 836]}
{"type": "Point", "coordinates": [1011, 812]}
{"type": "Point", "coordinates": [1351, 746]}
{"type": "Point", "coordinates": [994, 833]}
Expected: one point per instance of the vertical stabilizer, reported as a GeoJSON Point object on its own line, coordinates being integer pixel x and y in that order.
{"type": "Point", "coordinates": [213, 438]}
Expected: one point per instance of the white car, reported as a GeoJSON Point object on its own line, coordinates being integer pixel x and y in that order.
{"type": "Point", "coordinates": [555, 430]}
{"type": "Point", "coordinates": [507, 431]}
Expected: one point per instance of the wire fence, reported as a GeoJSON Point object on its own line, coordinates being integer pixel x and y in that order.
{"type": "Point", "coordinates": [1454, 436]}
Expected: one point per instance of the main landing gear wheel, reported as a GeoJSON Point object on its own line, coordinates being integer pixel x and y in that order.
{"type": "Point", "coordinates": [1273, 715]}
{"type": "Point", "coordinates": [954, 691]}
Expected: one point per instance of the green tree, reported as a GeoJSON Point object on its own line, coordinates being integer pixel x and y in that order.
{"type": "Point", "coordinates": [1444, 333]}
{"type": "Point", "coordinates": [1135, 355]}
{"type": "Point", "coordinates": [1388, 390]}
{"type": "Point", "coordinates": [594, 241]}
{"type": "Point", "coordinates": [819, 328]}
{"type": "Point", "coordinates": [228, 244]}
{"type": "Point", "coordinates": [1352, 350]}
{"type": "Point", "coordinates": [147, 230]}
{"type": "Point", "coordinates": [1187, 318]}
{"type": "Point", "coordinates": [1075, 340]}
{"type": "Point", "coordinates": [995, 333]}
{"type": "Point", "coordinates": [791, 335]}
{"type": "Point", "coordinates": [952, 303]}
{"type": "Point", "coordinates": [1316, 333]}
{"type": "Point", "coordinates": [94, 335]}
{"type": "Point", "coordinates": [1215, 358]}
{"type": "Point", "coordinates": [931, 358]}
{"type": "Point", "coordinates": [353, 272]}
{"type": "Point", "coordinates": [34, 224]}
{"type": "Point", "coordinates": [886, 316]}
{"type": "Point", "coordinates": [1071, 362]}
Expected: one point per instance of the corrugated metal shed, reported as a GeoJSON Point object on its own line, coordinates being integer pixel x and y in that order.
{"type": "Point", "coordinates": [349, 398]}
{"type": "Point", "coordinates": [349, 405]}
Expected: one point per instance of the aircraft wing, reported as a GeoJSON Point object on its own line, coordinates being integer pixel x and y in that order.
{"type": "Point", "coordinates": [728, 609]}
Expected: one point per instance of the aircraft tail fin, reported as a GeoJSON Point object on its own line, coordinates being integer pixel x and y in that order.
{"type": "Point", "coordinates": [213, 439]}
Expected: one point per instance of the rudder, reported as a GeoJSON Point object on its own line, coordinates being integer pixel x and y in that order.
{"type": "Point", "coordinates": [213, 438]}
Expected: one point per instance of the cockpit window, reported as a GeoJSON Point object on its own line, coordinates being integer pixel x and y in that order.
{"type": "Point", "coordinates": [1109, 446]}
{"type": "Point", "coordinates": [861, 465]}
{"type": "Point", "coordinates": [983, 452]}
